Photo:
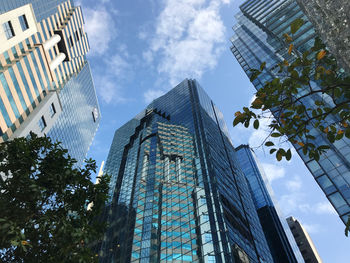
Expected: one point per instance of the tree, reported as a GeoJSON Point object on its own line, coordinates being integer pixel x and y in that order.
{"type": "Point", "coordinates": [43, 200]}
{"type": "Point", "coordinates": [308, 94]}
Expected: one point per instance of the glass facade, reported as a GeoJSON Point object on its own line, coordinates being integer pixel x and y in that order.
{"type": "Point", "coordinates": [258, 37]}
{"type": "Point", "coordinates": [30, 71]}
{"type": "Point", "coordinates": [177, 192]}
{"type": "Point", "coordinates": [278, 235]}
{"type": "Point", "coordinates": [42, 8]}
{"type": "Point", "coordinates": [75, 127]}
{"type": "Point", "coordinates": [333, 26]}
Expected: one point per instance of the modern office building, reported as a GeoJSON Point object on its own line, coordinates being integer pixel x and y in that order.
{"type": "Point", "coordinates": [45, 80]}
{"type": "Point", "coordinates": [304, 242]}
{"type": "Point", "coordinates": [279, 238]}
{"type": "Point", "coordinates": [177, 191]}
{"type": "Point", "coordinates": [331, 21]}
{"type": "Point", "coordinates": [257, 38]}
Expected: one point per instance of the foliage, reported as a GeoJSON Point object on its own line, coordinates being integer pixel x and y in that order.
{"type": "Point", "coordinates": [308, 94]}
{"type": "Point", "coordinates": [43, 200]}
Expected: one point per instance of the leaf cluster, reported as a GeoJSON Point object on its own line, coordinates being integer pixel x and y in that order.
{"type": "Point", "coordinates": [308, 96]}
{"type": "Point", "coordinates": [43, 200]}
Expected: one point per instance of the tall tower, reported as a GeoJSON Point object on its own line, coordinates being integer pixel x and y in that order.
{"type": "Point", "coordinates": [279, 238]}
{"type": "Point", "coordinates": [177, 191]}
{"type": "Point", "coordinates": [304, 241]}
{"type": "Point", "coordinates": [331, 21]}
{"type": "Point", "coordinates": [258, 38]}
{"type": "Point", "coordinates": [45, 80]}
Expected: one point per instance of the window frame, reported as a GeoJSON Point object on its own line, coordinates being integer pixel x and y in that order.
{"type": "Point", "coordinates": [8, 29]}
{"type": "Point", "coordinates": [23, 22]}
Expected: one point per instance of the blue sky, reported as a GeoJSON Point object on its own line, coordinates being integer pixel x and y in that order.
{"type": "Point", "coordinates": [142, 48]}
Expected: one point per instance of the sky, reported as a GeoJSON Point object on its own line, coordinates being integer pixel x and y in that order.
{"type": "Point", "coordinates": [140, 49]}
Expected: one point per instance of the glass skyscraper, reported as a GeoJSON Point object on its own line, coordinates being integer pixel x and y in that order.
{"type": "Point", "coordinates": [278, 235]}
{"type": "Point", "coordinates": [331, 20]}
{"type": "Point", "coordinates": [177, 191]}
{"type": "Point", "coordinates": [45, 80]}
{"type": "Point", "coordinates": [258, 38]}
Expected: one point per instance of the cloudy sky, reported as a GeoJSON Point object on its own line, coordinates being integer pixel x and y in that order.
{"type": "Point", "coordinates": [142, 48]}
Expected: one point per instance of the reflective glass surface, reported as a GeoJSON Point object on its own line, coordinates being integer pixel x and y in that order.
{"type": "Point", "coordinates": [258, 37]}
{"type": "Point", "coordinates": [279, 237]}
{"type": "Point", "coordinates": [75, 126]}
{"type": "Point", "coordinates": [177, 192]}
{"type": "Point", "coordinates": [42, 8]}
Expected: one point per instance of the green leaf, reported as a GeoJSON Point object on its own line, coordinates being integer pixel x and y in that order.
{"type": "Point", "coordinates": [296, 24]}
{"type": "Point", "coordinates": [276, 134]}
{"type": "Point", "coordinates": [337, 92]}
{"type": "Point", "coordinates": [347, 133]}
{"type": "Point", "coordinates": [262, 66]}
{"type": "Point", "coordinates": [256, 124]}
{"type": "Point", "coordinates": [279, 155]}
{"type": "Point", "coordinates": [316, 156]}
{"type": "Point", "coordinates": [294, 74]}
{"type": "Point", "coordinates": [238, 119]}
{"type": "Point", "coordinates": [255, 74]}
{"type": "Point", "coordinates": [272, 151]}
{"type": "Point", "coordinates": [288, 154]}
{"type": "Point", "coordinates": [269, 143]}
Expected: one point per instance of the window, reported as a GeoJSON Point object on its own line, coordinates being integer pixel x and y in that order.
{"type": "Point", "coordinates": [205, 218]}
{"type": "Point", "coordinates": [42, 123]}
{"type": "Point", "coordinates": [71, 41]}
{"type": "Point", "coordinates": [52, 109]}
{"type": "Point", "coordinates": [211, 259]}
{"type": "Point", "coordinates": [76, 36]}
{"type": "Point", "coordinates": [23, 21]}
{"type": "Point", "coordinates": [8, 29]}
{"type": "Point", "coordinates": [203, 200]}
{"type": "Point", "coordinates": [208, 238]}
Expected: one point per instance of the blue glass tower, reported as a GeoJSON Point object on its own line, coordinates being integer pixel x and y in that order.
{"type": "Point", "coordinates": [177, 191]}
{"type": "Point", "coordinates": [258, 37]}
{"type": "Point", "coordinates": [278, 235]}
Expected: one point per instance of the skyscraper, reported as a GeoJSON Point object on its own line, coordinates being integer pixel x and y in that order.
{"type": "Point", "coordinates": [258, 38]}
{"type": "Point", "coordinates": [304, 241]}
{"type": "Point", "coordinates": [279, 238]}
{"type": "Point", "coordinates": [45, 80]}
{"type": "Point", "coordinates": [331, 21]}
{"type": "Point", "coordinates": [177, 192]}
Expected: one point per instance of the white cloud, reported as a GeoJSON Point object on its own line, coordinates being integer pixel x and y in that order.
{"type": "Point", "coordinates": [290, 203]}
{"type": "Point", "coordinates": [152, 94]}
{"type": "Point", "coordinates": [324, 208]}
{"type": "Point", "coordinates": [188, 38]}
{"type": "Point", "coordinates": [109, 90]}
{"type": "Point", "coordinates": [100, 28]}
{"type": "Point", "coordinates": [118, 66]}
{"type": "Point", "coordinates": [296, 202]}
{"type": "Point", "coordinates": [294, 185]}
{"type": "Point", "coordinates": [312, 228]}
{"type": "Point", "coordinates": [273, 171]}
{"type": "Point", "coordinates": [148, 56]}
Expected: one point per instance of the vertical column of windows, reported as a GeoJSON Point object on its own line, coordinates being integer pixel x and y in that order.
{"type": "Point", "coordinates": [38, 73]}
{"type": "Point", "coordinates": [31, 75]}
{"type": "Point", "coordinates": [9, 96]}
{"type": "Point", "coordinates": [44, 67]}
{"type": "Point", "coordinates": [5, 115]}
{"type": "Point", "coordinates": [18, 89]}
